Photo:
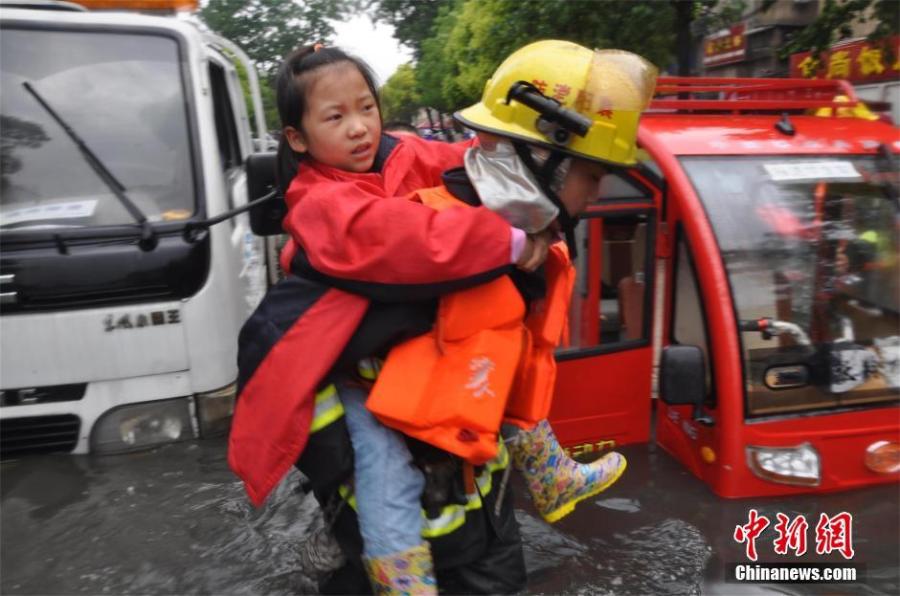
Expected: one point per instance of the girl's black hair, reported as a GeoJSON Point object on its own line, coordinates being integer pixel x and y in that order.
{"type": "Point", "coordinates": [290, 92]}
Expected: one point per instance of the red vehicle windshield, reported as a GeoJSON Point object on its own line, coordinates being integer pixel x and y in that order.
{"type": "Point", "coordinates": [810, 245]}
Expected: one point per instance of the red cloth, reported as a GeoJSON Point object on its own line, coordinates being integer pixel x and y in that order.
{"type": "Point", "coordinates": [388, 241]}
{"type": "Point", "coordinates": [353, 226]}
{"type": "Point", "coordinates": [274, 411]}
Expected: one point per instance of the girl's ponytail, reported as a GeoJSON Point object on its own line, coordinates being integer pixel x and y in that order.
{"type": "Point", "coordinates": [286, 165]}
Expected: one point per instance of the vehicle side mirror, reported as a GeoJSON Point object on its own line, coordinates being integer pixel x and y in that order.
{"type": "Point", "coordinates": [683, 379]}
{"type": "Point", "coordinates": [265, 218]}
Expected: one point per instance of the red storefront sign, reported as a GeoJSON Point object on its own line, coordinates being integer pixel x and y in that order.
{"type": "Point", "coordinates": [859, 61]}
{"type": "Point", "coordinates": [726, 46]}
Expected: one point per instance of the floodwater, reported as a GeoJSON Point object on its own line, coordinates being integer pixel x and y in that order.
{"type": "Point", "coordinates": [175, 521]}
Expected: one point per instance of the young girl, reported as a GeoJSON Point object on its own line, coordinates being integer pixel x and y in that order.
{"type": "Point", "coordinates": [349, 227]}
{"type": "Point", "coordinates": [350, 230]}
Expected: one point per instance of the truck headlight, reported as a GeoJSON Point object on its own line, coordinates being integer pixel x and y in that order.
{"type": "Point", "coordinates": [140, 426]}
{"type": "Point", "coordinates": [215, 409]}
{"type": "Point", "coordinates": [788, 465]}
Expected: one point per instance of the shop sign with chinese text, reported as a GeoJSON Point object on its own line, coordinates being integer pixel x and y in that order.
{"type": "Point", "coordinates": [859, 61]}
{"type": "Point", "coordinates": [726, 46]}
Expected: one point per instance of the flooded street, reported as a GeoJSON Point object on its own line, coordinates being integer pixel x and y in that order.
{"type": "Point", "coordinates": [175, 521]}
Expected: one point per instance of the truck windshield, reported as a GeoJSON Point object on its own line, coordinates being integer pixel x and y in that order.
{"type": "Point", "coordinates": [123, 95]}
{"type": "Point", "coordinates": [810, 245]}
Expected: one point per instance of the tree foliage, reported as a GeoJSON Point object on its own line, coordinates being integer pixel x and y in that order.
{"type": "Point", "coordinates": [268, 29]}
{"type": "Point", "coordinates": [835, 20]}
{"type": "Point", "coordinates": [412, 20]}
{"type": "Point", "coordinates": [469, 38]}
{"type": "Point", "coordinates": [399, 97]}
{"type": "Point", "coordinates": [457, 44]}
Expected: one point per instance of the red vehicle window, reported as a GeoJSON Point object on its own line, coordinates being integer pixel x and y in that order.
{"type": "Point", "coordinates": [610, 297]}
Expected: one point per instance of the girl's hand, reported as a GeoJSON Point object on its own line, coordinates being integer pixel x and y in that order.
{"type": "Point", "coordinates": [535, 252]}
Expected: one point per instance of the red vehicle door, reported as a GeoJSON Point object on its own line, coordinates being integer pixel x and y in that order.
{"type": "Point", "coordinates": [605, 365]}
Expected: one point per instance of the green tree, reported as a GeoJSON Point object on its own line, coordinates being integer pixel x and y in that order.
{"type": "Point", "coordinates": [412, 20]}
{"type": "Point", "coordinates": [433, 68]}
{"type": "Point", "coordinates": [458, 43]}
{"type": "Point", "coordinates": [400, 98]}
{"type": "Point", "coordinates": [836, 19]}
{"type": "Point", "coordinates": [268, 29]}
{"type": "Point", "coordinates": [696, 18]}
{"type": "Point", "coordinates": [469, 38]}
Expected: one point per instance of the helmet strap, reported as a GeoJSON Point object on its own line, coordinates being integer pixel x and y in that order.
{"type": "Point", "coordinates": [544, 176]}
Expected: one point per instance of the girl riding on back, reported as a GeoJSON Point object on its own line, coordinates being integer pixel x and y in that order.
{"type": "Point", "coordinates": [352, 229]}
{"type": "Point", "coordinates": [355, 236]}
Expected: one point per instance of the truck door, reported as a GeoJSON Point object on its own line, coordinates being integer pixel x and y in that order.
{"type": "Point", "coordinates": [235, 144]}
{"type": "Point", "coordinates": [605, 365]}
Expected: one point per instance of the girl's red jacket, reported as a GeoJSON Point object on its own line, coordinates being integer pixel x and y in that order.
{"type": "Point", "coordinates": [367, 234]}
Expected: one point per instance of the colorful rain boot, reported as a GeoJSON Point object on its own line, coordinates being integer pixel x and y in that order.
{"type": "Point", "coordinates": [556, 481]}
{"type": "Point", "coordinates": [407, 573]}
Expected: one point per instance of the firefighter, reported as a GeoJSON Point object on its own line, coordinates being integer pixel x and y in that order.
{"type": "Point", "coordinates": [540, 162]}
{"type": "Point", "coordinates": [468, 522]}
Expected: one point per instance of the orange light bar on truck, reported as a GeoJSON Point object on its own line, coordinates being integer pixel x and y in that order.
{"type": "Point", "coordinates": [142, 5]}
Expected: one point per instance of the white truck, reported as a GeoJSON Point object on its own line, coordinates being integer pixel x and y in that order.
{"type": "Point", "coordinates": [124, 137]}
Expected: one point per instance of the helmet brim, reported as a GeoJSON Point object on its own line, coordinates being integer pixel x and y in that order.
{"type": "Point", "coordinates": [475, 117]}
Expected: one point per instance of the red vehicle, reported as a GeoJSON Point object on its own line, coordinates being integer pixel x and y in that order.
{"type": "Point", "coordinates": [750, 263]}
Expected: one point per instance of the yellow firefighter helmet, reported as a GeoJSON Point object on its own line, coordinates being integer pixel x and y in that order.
{"type": "Point", "coordinates": [568, 98]}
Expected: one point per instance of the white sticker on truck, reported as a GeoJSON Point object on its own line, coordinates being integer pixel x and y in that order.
{"type": "Point", "coordinates": [67, 210]}
{"type": "Point", "coordinates": [810, 170]}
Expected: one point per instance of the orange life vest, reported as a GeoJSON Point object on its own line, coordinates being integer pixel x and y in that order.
{"type": "Point", "coordinates": [479, 365]}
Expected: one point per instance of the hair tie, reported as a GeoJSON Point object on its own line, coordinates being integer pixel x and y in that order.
{"type": "Point", "coordinates": [317, 47]}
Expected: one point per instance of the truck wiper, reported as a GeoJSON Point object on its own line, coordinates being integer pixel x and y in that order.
{"type": "Point", "coordinates": [148, 234]}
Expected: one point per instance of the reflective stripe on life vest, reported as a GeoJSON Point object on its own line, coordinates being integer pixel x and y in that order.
{"type": "Point", "coordinates": [454, 515]}
{"type": "Point", "coordinates": [328, 408]}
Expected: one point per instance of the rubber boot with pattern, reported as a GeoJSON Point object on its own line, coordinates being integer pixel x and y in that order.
{"type": "Point", "coordinates": [556, 481]}
{"type": "Point", "coordinates": [407, 573]}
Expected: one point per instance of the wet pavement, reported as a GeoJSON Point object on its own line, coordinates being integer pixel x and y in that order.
{"type": "Point", "coordinates": [175, 521]}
